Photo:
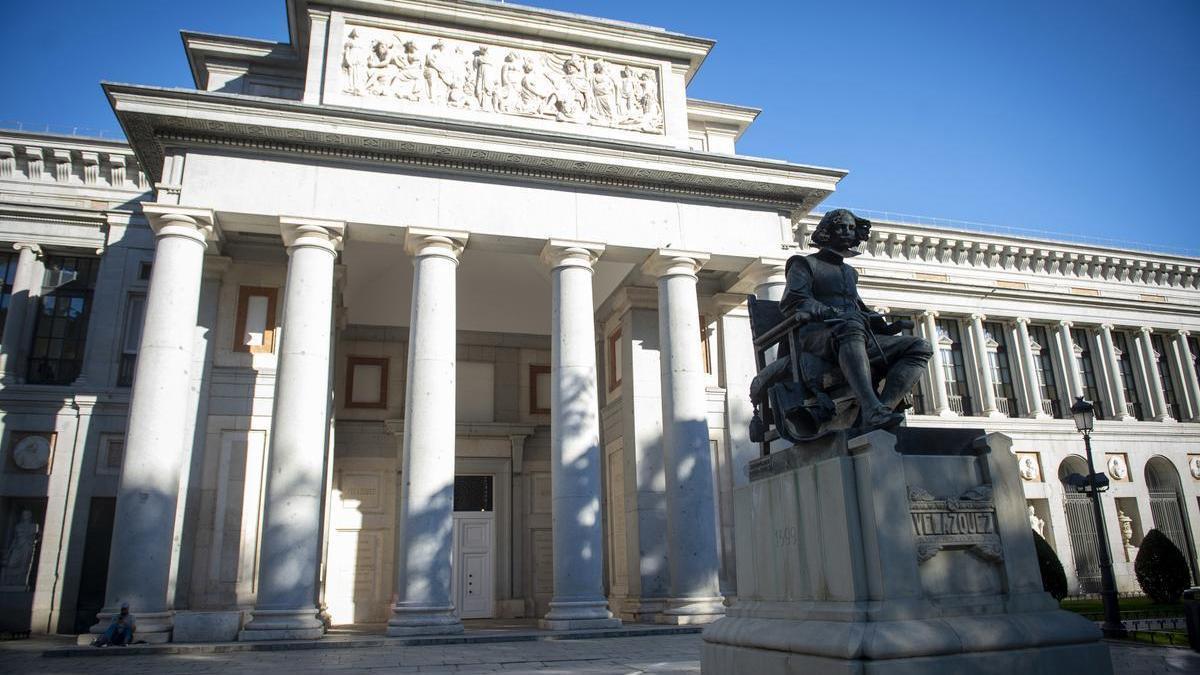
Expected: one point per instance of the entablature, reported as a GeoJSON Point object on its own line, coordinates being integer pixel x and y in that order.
{"type": "Point", "coordinates": [156, 118]}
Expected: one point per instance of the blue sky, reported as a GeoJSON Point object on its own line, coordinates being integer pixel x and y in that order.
{"type": "Point", "coordinates": [1080, 117]}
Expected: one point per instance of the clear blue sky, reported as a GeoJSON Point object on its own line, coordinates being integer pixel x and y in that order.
{"type": "Point", "coordinates": [1074, 116]}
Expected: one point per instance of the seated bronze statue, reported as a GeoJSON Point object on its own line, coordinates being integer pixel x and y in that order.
{"type": "Point", "coordinates": [831, 352]}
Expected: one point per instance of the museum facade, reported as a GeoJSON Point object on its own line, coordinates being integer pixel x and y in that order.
{"type": "Point", "coordinates": [438, 312]}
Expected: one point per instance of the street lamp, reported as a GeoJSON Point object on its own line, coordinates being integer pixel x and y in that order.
{"type": "Point", "coordinates": [1085, 416]}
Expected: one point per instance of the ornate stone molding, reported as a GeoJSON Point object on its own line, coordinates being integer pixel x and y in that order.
{"type": "Point", "coordinates": [326, 234]}
{"type": "Point", "coordinates": [420, 241]}
{"type": "Point", "coordinates": [670, 262]}
{"type": "Point", "coordinates": [563, 253]}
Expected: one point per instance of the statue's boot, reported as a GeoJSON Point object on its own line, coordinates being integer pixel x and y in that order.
{"type": "Point", "coordinates": [856, 368]}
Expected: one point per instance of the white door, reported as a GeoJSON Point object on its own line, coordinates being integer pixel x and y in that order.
{"type": "Point", "coordinates": [474, 564]}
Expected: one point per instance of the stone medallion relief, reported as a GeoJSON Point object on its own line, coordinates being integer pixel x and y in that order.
{"type": "Point", "coordinates": [434, 72]}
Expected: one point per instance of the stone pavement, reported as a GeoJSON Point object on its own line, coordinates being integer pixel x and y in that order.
{"type": "Point", "coordinates": [648, 654]}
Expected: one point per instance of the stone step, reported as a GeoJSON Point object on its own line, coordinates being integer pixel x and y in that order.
{"type": "Point", "coordinates": [367, 641]}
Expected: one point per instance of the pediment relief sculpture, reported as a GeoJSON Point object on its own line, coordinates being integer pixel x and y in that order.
{"type": "Point", "coordinates": [433, 72]}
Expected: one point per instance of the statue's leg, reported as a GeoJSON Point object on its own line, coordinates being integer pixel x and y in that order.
{"type": "Point", "coordinates": [908, 356]}
{"type": "Point", "coordinates": [856, 368]}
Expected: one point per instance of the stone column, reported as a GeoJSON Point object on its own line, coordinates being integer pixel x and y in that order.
{"type": "Point", "coordinates": [1070, 364]}
{"type": "Point", "coordinates": [987, 387]}
{"type": "Point", "coordinates": [425, 518]}
{"type": "Point", "coordinates": [286, 606]}
{"type": "Point", "coordinates": [156, 442]}
{"type": "Point", "coordinates": [1191, 385]}
{"type": "Point", "coordinates": [26, 283]}
{"type": "Point", "coordinates": [941, 401]}
{"type": "Point", "coordinates": [1029, 368]}
{"type": "Point", "coordinates": [691, 527]}
{"type": "Point", "coordinates": [1153, 377]}
{"type": "Point", "coordinates": [1112, 369]}
{"type": "Point", "coordinates": [575, 457]}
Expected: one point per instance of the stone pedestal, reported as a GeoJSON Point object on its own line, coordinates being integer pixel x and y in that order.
{"type": "Point", "coordinates": [904, 553]}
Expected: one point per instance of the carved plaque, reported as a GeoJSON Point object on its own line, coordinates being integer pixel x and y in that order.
{"type": "Point", "coordinates": [964, 522]}
{"type": "Point", "coordinates": [361, 491]}
{"type": "Point", "coordinates": [423, 73]}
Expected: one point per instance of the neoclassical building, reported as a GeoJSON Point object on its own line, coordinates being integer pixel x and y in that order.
{"type": "Point", "coordinates": [437, 312]}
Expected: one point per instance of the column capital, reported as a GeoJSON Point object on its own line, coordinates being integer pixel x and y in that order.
{"type": "Point", "coordinates": [1145, 330]}
{"type": "Point", "coordinates": [23, 245]}
{"type": "Point", "coordinates": [170, 220]}
{"type": "Point", "coordinates": [299, 232]}
{"type": "Point", "coordinates": [759, 272]}
{"type": "Point", "coordinates": [1107, 327]}
{"type": "Point", "coordinates": [1183, 332]}
{"type": "Point", "coordinates": [420, 242]}
{"type": "Point", "coordinates": [929, 314]}
{"type": "Point", "coordinates": [881, 310]}
{"type": "Point", "coordinates": [667, 262]}
{"type": "Point", "coordinates": [568, 253]}
{"type": "Point", "coordinates": [979, 317]}
{"type": "Point", "coordinates": [1064, 323]}
{"type": "Point", "coordinates": [1022, 320]}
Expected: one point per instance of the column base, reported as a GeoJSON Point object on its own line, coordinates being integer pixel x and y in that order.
{"type": "Point", "coordinates": [578, 615]}
{"type": "Point", "coordinates": [152, 627]}
{"type": "Point", "coordinates": [692, 611]}
{"type": "Point", "coordinates": [423, 620]}
{"type": "Point", "coordinates": [282, 624]}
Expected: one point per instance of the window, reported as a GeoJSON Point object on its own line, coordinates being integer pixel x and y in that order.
{"type": "Point", "coordinates": [112, 454]}
{"type": "Point", "coordinates": [1000, 363]}
{"type": "Point", "coordinates": [953, 366]}
{"type": "Point", "coordinates": [1087, 368]}
{"type": "Point", "coordinates": [1194, 348]}
{"type": "Point", "coordinates": [704, 348]}
{"type": "Point", "coordinates": [366, 382]}
{"type": "Point", "coordinates": [1128, 384]}
{"type": "Point", "coordinates": [60, 332]}
{"type": "Point", "coordinates": [539, 390]}
{"type": "Point", "coordinates": [255, 331]}
{"type": "Point", "coordinates": [135, 312]}
{"type": "Point", "coordinates": [614, 360]}
{"type": "Point", "coordinates": [144, 269]}
{"type": "Point", "coordinates": [1044, 367]}
{"type": "Point", "coordinates": [8, 270]}
{"type": "Point", "coordinates": [472, 493]}
{"type": "Point", "coordinates": [1164, 373]}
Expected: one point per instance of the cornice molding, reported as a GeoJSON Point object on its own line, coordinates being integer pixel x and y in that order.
{"type": "Point", "coordinates": [154, 118]}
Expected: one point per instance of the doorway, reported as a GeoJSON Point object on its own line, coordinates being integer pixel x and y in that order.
{"type": "Point", "coordinates": [473, 584]}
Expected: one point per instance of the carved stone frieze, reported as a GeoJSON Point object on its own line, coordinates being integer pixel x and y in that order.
{"type": "Point", "coordinates": [422, 72]}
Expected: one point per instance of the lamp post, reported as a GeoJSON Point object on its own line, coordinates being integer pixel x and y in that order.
{"type": "Point", "coordinates": [1085, 416]}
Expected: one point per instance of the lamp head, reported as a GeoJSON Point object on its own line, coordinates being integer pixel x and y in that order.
{"type": "Point", "coordinates": [1084, 413]}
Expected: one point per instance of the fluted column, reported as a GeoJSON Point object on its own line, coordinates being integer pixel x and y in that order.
{"type": "Point", "coordinates": [425, 518]}
{"type": "Point", "coordinates": [983, 367]}
{"type": "Point", "coordinates": [575, 458]}
{"type": "Point", "coordinates": [286, 605]}
{"type": "Point", "coordinates": [156, 442]}
{"type": "Point", "coordinates": [25, 281]}
{"type": "Point", "coordinates": [1153, 377]}
{"type": "Point", "coordinates": [1190, 384]}
{"type": "Point", "coordinates": [1070, 364]}
{"type": "Point", "coordinates": [1112, 371]}
{"type": "Point", "coordinates": [941, 399]}
{"type": "Point", "coordinates": [691, 514]}
{"type": "Point", "coordinates": [1029, 370]}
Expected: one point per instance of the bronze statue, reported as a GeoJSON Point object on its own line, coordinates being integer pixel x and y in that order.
{"type": "Point", "coordinates": [833, 351]}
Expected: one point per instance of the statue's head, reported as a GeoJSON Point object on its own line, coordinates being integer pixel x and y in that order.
{"type": "Point", "coordinates": [841, 230]}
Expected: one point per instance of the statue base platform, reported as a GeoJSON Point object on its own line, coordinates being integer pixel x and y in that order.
{"type": "Point", "coordinates": [902, 552]}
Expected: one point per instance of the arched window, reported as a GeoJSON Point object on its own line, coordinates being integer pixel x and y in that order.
{"type": "Point", "coordinates": [1166, 505]}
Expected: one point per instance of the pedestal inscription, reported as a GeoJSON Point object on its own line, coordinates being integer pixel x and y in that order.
{"type": "Point", "coordinates": [967, 522]}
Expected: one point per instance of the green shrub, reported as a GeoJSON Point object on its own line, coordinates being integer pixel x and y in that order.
{"type": "Point", "coordinates": [1054, 578]}
{"type": "Point", "coordinates": [1161, 569]}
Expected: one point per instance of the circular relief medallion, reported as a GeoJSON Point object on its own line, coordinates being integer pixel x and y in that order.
{"type": "Point", "coordinates": [1116, 468]}
{"type": "Point", "coordinates": [1029, 468]}
{"type": "Point", "coordinates": [31, 453]}
{"type": "Point", "coordinates": [1194, 465]}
